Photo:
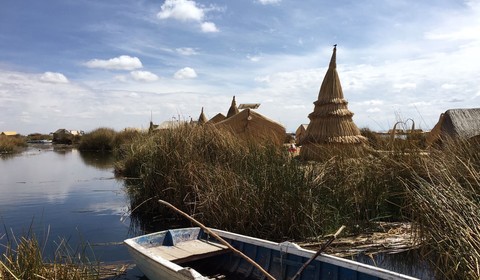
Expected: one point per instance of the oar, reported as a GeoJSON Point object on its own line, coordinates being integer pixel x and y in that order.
{"type": "Point", "coordinates": [206, 229]}
{"type": "Point", "coordinates": [324, 246]}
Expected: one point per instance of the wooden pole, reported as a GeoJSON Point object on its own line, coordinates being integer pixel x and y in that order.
{"type": "Point", "coordinates": [324, 246]}
{"type": "Point", "coordinates": [221, 240]}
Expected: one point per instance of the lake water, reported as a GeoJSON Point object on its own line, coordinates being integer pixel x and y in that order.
{"type": "Point", "coordinates": [61, 193]}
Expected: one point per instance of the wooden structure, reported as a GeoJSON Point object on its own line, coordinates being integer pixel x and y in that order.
{"type": "Point", "coordinates": [331, 122]}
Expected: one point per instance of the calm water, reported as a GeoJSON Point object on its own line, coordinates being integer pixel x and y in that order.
{"type": "Point", "coordinates": [61, 193]}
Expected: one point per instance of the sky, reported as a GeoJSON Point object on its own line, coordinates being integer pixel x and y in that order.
{"type": "Point", "coordinates": [85, 64]}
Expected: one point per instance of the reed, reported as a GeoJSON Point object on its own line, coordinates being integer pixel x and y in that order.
{"type": "Point", "coordinates": [11, 144]}
{"type": "Point", "coordinates": [100, 139]}
{"type": "Point", "coordinates": [445, 205]}
{"type": "Point", "coordinates": [254, 188]}
{"type": "Point", "coordinates": [23, 259]}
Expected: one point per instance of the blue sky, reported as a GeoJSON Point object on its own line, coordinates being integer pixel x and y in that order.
{"type": "Point", "coordinates": [86, 64]}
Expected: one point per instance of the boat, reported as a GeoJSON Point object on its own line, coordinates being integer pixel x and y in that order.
{"type": "Point", "coordinates": [192, 253]}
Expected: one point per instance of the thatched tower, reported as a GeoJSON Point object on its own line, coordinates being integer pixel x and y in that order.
{"type": "Point", "coordinates": [233, 109]}
{"type": "Point", "coordinates": [331, 126]}
{"type": "Point", "coordinates": [202, 119]}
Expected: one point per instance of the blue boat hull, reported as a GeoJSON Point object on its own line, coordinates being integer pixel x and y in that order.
{"type": "Point", "coordinates": [281, 260]}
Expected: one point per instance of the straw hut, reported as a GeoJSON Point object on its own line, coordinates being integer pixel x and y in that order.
{"type": "Point", "coordinates": [250, 125]}
{"type": "Point", "coordinates": [62, 136]}
{"type": "Point", "coordinates": [217, 118]}
{"type": "Point", "coordinates": [9, 133]}
{"type": "Point", "coordinates": [460, 124]}
{"type": "Point", "coordinates": [233, 110]}
{"type": "Point", "coordinates": [202, 119]}
{"type": "Point", "coordinates": [300, 133]}
{"type": "Point", "coordinates": [331, 122]}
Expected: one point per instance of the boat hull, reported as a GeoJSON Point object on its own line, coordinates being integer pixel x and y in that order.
{"type": "Point", "coordinates": [281, 260]}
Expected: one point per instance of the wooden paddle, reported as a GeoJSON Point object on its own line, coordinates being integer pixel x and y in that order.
{"type": "Point", "coordinates": [221, 240]}
{"type": "Point", "coordinates": [324, 246]}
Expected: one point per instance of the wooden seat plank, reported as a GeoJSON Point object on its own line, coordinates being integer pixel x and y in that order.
{"type": "Point", "coordinates": [189, 251]}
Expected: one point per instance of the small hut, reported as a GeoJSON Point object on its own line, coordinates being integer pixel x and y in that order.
{"type": "Point", "coordinates": [202, 119]}
{"type": "Point", "coordinates": [460, 124]}
{"type": "Point", "coordinates": [250, 125]}
{"type": "Point", "coordinates": [331, 122]}
{"type": "Point", "coordinates": [62, 136]}
{"type": "Point", "coordinates": [300, 133]}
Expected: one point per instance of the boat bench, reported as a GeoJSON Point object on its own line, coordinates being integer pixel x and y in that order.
{"type": "Point", "coordinates": [188, 251]}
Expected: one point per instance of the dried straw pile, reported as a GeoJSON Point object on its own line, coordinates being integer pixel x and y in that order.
{"type": "Point", "coordinates": [330, 122]}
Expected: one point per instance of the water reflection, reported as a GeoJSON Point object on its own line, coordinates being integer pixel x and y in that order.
{"type": "Point", "coordinates": [98, 160]}
{"type": "Point", "coordinates": [76, 197]}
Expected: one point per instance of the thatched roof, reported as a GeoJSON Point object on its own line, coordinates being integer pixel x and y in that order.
{"type": "Point", "coordinates": [202, 119]}
{"type": "Point", "coordinates": [456, 124]}
{"type": "Point", "coordinates": [233, 108]}
{"type": "Point", "coordinates": [251, 125]}
{"type": "Point", "coordinates": [300, 133]}
{"type": "Point", "coordinates": [217, 118]}
{"type": "Point", "coordinates": [331, 121]}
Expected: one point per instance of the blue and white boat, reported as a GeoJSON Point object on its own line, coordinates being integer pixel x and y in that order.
{"type": "Point", "coordinates": [190, 253]}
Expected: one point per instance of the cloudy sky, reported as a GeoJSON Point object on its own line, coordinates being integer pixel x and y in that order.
{"type": "Point", "coordinates": [84, 64]}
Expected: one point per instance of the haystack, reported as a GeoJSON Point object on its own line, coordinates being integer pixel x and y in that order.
{"type": "Point", "coordinates": [202, 119]}
{"type": "Point", "coordinates": [250, 125]}
{"type": "Point", "coordinates": [462, 124]}
{"type": "Point", "coordinates": [331, 124]}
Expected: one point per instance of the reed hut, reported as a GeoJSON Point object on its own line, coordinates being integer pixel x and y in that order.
{"type": "Point", "coordinates": [202, 119]}
{"type": "Point", "coordinates": [250, 125]}
{"type": "Point", "coordinates": [217, 118]}
{"type": "Point", "coordinates": [233, 110]}
{"type": "Point", "coordinates": [461, 124]}
{"type": "Point", "coordinates": [300, 133]}
{"type": "Point", "coordinates": [331, 124]}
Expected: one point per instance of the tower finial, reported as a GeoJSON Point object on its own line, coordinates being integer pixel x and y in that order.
{"type": "Point", "coordinates": [333, 60]}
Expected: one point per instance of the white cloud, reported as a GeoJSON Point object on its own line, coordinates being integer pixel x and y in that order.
{"type": "Point", "coordinates": [185, 73]}
{"type": "Point", "coordinates": [187, 10]}
{"type": "Point", "coordinates": [183, 10]}
{"type": "Point", "coordinates": [267, 2]}
{"type": "Point", "coordinates": [373, 110]}
{"type": "Point", "coordinates": [209, 27]}
{"type": "Point", "coordinates": [123, 62]}
{"type": "Point", "coordinates": [186, 51]}
{"type": "Point", "coordinates": [53, 77]}
{"type": "Point", "coordinates": [253, 58]}
{"type": "Point", "coordinates": [144, 76]}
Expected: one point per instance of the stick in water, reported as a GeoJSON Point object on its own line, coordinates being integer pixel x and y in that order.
{"type": "Point", "coordinates": [221, 240]}
{"type": "Point", "coordinates": [324, 246]}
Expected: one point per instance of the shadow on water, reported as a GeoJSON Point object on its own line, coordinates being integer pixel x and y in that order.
{"type": "Point", "coordinates": [103, 161]}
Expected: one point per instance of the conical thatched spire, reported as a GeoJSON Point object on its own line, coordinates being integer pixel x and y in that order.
{"type": "Point", "coordinates": [233, 109]}
{"type": "Point", "coordinates": [202, 119]}
{"type": "Point", "coordinates": [331, 121]}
